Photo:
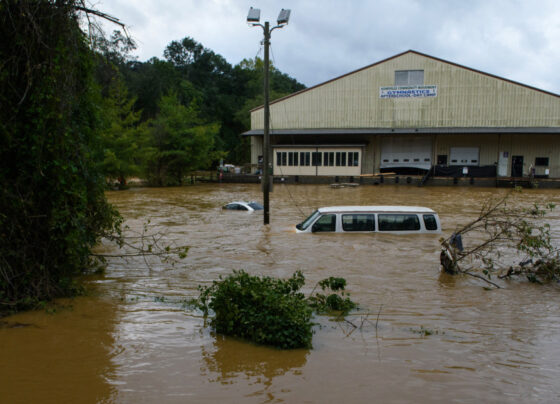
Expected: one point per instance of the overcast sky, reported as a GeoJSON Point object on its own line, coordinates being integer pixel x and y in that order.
{"type": "Point", "coordinates": [516, 39]}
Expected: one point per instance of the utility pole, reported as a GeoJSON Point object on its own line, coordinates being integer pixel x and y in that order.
{"type": "Point", "coordinates": [253, 18]}
{"type": "Point", "coordinates": [266, 133]}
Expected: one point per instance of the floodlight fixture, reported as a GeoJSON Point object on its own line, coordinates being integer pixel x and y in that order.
{"type": "Point", "coordinates": [283, 17]}
{"type": "Point", "coordinates": [254, 15]}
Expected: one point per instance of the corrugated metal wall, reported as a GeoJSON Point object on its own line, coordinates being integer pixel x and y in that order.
{"type": "Point", "coordinates": [465, 98]}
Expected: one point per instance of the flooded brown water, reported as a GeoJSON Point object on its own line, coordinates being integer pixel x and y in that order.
{"type": "Point", "coordinates": [134, 341]}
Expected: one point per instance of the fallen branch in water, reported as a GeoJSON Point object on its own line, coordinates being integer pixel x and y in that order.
{"type": "Point", "coordinates": [504, 240]}
{"type": "Point", "coordinates": [148, 243]}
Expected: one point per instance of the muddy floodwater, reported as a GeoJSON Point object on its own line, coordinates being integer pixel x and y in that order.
{"type": "Point", "coordinates": [423, 336]}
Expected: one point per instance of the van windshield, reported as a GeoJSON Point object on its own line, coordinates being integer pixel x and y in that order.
{"type": "Point", "coordinates": [305, 224]}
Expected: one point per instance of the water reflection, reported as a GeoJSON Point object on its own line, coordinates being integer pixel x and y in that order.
{"type": "Point", "coordinates": [229, 359]}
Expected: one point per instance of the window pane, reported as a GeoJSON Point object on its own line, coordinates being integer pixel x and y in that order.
{"type": "Point", "coordinates": [398, 222]}
{"type": "Point", "coordinates": [416, 77]}
{"type": "Point", "coordinates": [541, 161]}
{"type": "Point", "coordinates": [316, 158]}
{"type": "Point", "coordinates": [430, 222]}
{"type": "Point", "coordinates": [325, 223]}
{"type": "Point", "coordinates": [331, 159]}
{"type": "Point", "coordinates": [343, 161]}
{"type": "Point", "coordinates": [290, 159]}
{"type": "Point", "coordinates": [409, 77]}
{"type": "Point", "coordinates": [401, 78]}
{"type": "Point", "coordinates": [284, 158]}
{"type": "Point", "coordinates": [358, 222]}
{"type": "Point", "coordinates": [278, 158]}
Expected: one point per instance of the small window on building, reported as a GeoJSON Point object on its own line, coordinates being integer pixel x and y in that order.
{"type": "Point", "coordinates": [304, 158]}
{"type": "Point", "coordinates": [353, 159]}
{"type": "Point", "coordinates": [409, 77]}
{"type": "Point", "coordinates": [427, 160]}
{"type": "Point", "coordinates": [406, 160]}
{"type": "Point", "coordinates": [541, 161]}
{"type": "Point", "coordinates": [358, 222]}
{"type": "Point", "coordinates": [328, 159]}
{"type": "Point", "coordinates": [430, 222]}
{"type": "Point", "coordinates": [395, 160]}
{"type": "Point", "coordinates": [442, 159]}
{"type": "Point", "coordinates": [316, 159]}
{"type": "Point", "coordinates": [281, 158]}
{"type": "Point", "coordinates": [398, 222]}
{"type": "Point", "coordinates": [385, 161]}
{"type": "Point", "coordinates": [416, 160]}
{"type": "Point", "coordinates": [474, 161]}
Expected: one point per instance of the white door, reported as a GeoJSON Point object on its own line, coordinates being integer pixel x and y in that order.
{"type": "Point", "coordinates": [503, 164]}
{"type": "Point", "coordinates": [463, 156]}
{"type": "Point", "coordinates": [414, 152]}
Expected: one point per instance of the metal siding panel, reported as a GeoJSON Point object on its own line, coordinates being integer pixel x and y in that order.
{"type": "Point", "coordinates": [465, 98]}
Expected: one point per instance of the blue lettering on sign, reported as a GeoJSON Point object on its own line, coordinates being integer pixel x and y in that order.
{"type": "Point", "coordinates": [408, 92]}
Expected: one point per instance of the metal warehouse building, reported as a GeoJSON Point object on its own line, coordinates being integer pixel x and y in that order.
{"type": "Point", "coordinates": [412, 114]}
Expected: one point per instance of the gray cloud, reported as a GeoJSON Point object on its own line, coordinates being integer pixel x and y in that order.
{"type": "Point", "coordinates": [328, 38]}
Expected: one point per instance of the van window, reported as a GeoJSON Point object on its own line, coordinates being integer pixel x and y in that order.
{"type": "Point", "coordinates": [358, 222]}
{"type": "Point", "coordinates": [325, 223]}
{"type": "Point", "coordinates": [398, 222]}
{"type": "Point", "coordinates": [430, 222]}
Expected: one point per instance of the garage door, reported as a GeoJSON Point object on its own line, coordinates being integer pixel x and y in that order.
{"type": "Point", "coordinates": [463, 156]}
{"type": "Point", "coordinates": [410, 152]}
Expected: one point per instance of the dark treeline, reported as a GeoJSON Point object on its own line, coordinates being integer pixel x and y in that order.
{"type": "Point", "coordinates": [75, 112]}
{"type": "Point", "coordinates": [186, 112]}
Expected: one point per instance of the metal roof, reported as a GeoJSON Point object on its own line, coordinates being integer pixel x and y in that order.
{"type": "Point", "coordinates": [396, 131]}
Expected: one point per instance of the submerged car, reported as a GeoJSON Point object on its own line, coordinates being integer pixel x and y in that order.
{"type": "Point", "coordinates": [244, 206]}
{"type": "Point", "coordinates": [371, 219]}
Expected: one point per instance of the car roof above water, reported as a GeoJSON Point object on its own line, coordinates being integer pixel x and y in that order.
{"type": "Point", "coordinates": [375, 209]}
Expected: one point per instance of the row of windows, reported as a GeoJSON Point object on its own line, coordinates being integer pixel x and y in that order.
{"type": "Point", "coordinates": [366, 222]}
{"type": "Point", "coordinates": [405, 160]}
{"type": "Point", "coordinates": [325, 159]}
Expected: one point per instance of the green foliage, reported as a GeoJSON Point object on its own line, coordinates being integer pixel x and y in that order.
{"type": "Point", "coordinates": [260, 309]}
{"type": "Point", "coordinates": [179, 142]}
{"type": "Point", "coordinates": [124, 139]}
{"type": "Point", "coordinates": [267, 310]}
{"type": "Point", "coordinates": [52, 203]}
{"type": "Point", "coordinates": [224, 94]}
{"type": "Point", "coordinates": [332, 302]}
{"type": "Point", "coordinates": [511, 240]}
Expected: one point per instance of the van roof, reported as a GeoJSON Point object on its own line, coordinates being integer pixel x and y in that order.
{"type": "Point", "coordinates": [375, 209]}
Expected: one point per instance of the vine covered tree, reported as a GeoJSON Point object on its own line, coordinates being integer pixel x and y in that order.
{"type": "Point", "coordinates": [52, 203]}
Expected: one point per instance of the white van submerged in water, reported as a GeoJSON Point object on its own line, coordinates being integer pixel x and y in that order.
{"type": "Point", "coordinates": [371, 219]}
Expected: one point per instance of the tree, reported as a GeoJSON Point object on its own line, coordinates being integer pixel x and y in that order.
{"type": "Point", "coordinates": [52, 203]}
{"type": "Point", "coordinates": [124, 138]}
{"type": "Point", "coordinates": [180, 142]}
{"type": "Point", "coordinates": [504, 240]}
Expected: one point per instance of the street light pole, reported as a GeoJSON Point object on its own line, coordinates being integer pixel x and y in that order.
{"type": "Point", "coordinates": [253, 18]}
{"type": "Point", "coordinates": [266, 134]}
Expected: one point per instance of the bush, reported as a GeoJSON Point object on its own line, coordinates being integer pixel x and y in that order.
{"type": "Point", "coordinates": [263, 310]}
{"type": "Point", "coordinates": [270, 311]}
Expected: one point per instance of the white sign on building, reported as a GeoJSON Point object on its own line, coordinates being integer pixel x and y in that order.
{"type": "Point", "coordinates": [408, 92]}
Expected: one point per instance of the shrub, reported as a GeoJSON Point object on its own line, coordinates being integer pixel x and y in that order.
{"type": "Point", "coordinates": [263, 310]}
{"type": "Point", "coordinates": [269, 311]}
